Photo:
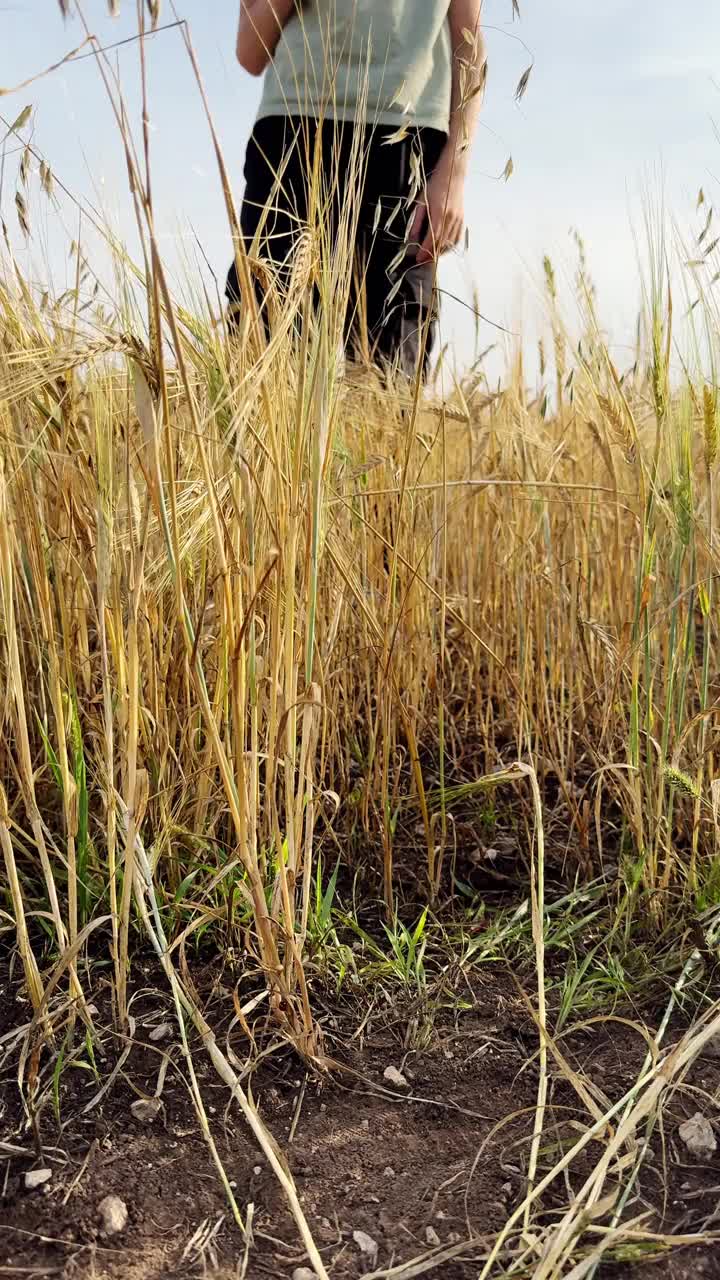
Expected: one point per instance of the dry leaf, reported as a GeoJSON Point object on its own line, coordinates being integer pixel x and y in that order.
{"type": "Point", "coordinates": [160, 1032]}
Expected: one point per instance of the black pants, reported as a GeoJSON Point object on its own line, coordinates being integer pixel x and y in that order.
{"type": "Point", "coordinates": [392, 311]}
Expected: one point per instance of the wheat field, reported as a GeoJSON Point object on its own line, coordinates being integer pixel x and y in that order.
{"type": "Point", "coordinates": [263, 616]}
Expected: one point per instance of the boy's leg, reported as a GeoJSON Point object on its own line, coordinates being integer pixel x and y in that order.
{"type": "Point", "coordinates": [396, 300]}
{"type": "Point", "coordinates": [274, 202]}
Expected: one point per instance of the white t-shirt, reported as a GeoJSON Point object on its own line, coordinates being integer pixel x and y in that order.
{"type": "Point", "coordinates": [386, 62]}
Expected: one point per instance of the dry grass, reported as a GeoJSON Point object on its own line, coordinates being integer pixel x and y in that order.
{"type": "Point", "coordinates": [163, 565]}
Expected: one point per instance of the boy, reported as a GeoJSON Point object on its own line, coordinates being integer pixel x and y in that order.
{"type": "Point", "coordinates": [409, 74]}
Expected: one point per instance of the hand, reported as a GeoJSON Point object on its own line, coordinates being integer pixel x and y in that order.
{"type": "Point", "coordinates": [443, 208]}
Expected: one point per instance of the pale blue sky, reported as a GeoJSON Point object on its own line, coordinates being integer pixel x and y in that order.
{"type": "Point", "coordinates": [621, 90]}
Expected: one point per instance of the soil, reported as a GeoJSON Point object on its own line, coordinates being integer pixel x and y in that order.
{"type": "Point", "coordinates": [440, 1163]}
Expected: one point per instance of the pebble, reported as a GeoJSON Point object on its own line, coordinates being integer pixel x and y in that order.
{"type": "Point", "coordinates": [145, 1110]}
{"type": "Point", "coordinates": [303, 1273]}
{"type": "Point", "coordinates": [432, 1236]}
{"type": "Point", "coordinates": [366, 1245]}
{"type": "Point", "coordinates": [388, 1171]}
{"type": "Point", "coordinates": [113, 1214]}
{"type": "Point", "coordinates": [393, 1076]}
{"type": "Point", "coordinates": [698, 1135]}
{"type": "Point", "coordinates": [36, 1177]}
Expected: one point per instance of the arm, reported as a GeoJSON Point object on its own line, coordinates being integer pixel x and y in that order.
{"type": "Point", "coordinates": [259, 29]}
{"type": "Point", "coordinates": [444, 199]}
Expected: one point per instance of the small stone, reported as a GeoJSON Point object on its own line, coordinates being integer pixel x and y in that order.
{"type": "Point", "coordinates": [303, 1273]}
{"type": "Point", "coordinates": [388, 1171]}
{"type": "Point", "coordinates": [367, 1246]}
{"type": "Point", "coordinates": [393, 1076]}
{"type": "Point", "coordinates": [698, 1135]}
{"type": "Point", "coordinates": [161, 1032]}
{"type": "Point", "coordinates": [432, 1236]}
{"type": "Point", "coordinates": [36, 1177]}
{"type": "Point", "coordinates": [113, 1214]}
{"type": "Point", "coordinates": [257, 1170]}
{"type": "Point", "coordinates": [145, 1110]}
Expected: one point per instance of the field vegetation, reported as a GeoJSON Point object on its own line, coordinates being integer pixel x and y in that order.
{"type": "Point", "coordinates": [361, 692]}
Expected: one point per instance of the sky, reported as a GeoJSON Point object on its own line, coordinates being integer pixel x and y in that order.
{"type": "Point", "coordinates": [620, 108]}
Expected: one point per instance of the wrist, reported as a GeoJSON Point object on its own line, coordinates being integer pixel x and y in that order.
{"type": "Point", "coordinates": [455, 155]}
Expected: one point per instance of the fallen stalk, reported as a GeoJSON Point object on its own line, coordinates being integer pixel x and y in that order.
{"type": "Point", "coordinates": [185, 1006]}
